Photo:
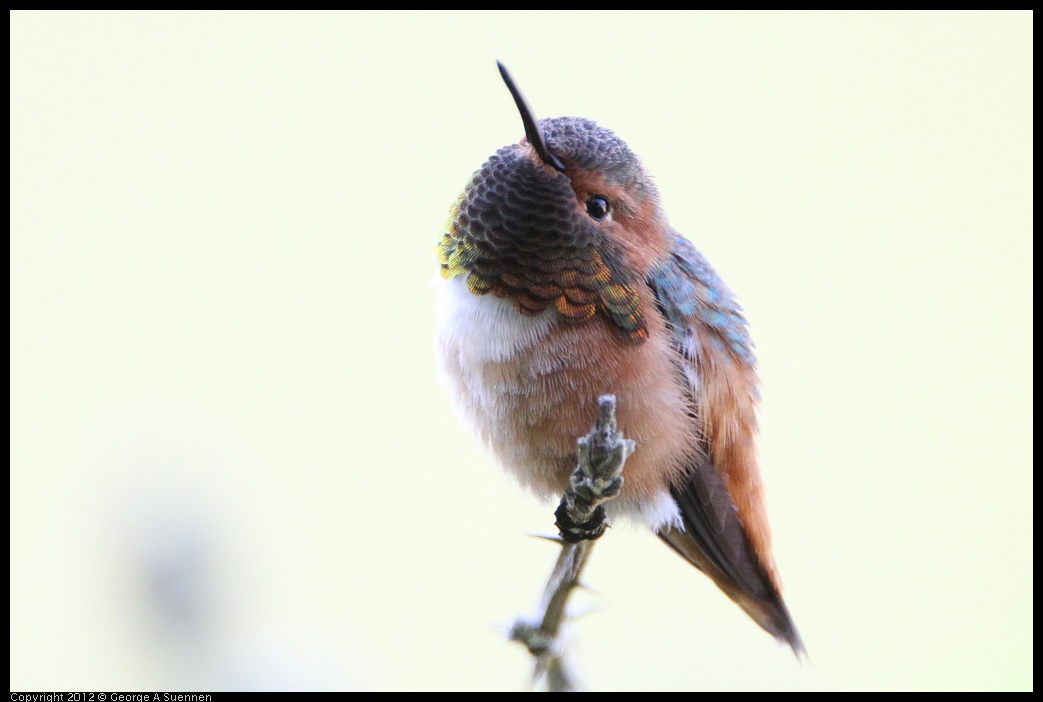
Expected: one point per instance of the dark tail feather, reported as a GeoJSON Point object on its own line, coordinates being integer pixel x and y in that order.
{"type": "Point", "coordinates": [714, 540]}
{"type": "Point", "coordinates": [762, 602]}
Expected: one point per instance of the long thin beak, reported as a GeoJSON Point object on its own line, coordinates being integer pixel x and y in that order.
{"type": "Point", "coordinates": [532, 127]}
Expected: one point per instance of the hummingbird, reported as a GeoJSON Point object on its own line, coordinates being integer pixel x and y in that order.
{"type": "Point", "coordinates": [561, 280]}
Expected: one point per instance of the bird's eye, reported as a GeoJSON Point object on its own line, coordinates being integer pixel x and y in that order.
{"type": "Point", "coordinates": [597, 207]}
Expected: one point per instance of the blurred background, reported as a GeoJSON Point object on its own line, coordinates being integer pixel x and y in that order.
{"type": "Point", "coordinates": [233, 465]}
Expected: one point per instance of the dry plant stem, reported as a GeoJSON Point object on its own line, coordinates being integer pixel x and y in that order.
{"type": "Point", "coordinates": [601, 455]}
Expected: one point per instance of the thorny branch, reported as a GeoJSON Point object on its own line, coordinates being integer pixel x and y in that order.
{"type": "Point", "coordinates": [581, 518]}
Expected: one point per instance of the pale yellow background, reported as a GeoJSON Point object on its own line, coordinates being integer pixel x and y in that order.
{"type": "Point", "coordinates": [222, 325]}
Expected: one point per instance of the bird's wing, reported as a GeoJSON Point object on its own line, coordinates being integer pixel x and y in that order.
{"type": "Point", "coordinates": [720, 496]}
